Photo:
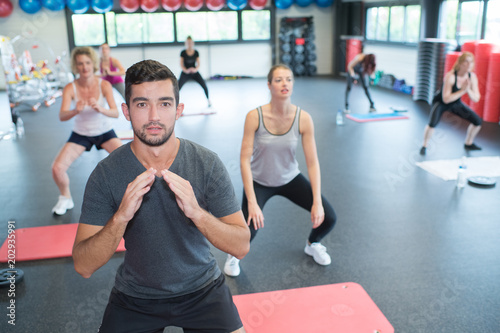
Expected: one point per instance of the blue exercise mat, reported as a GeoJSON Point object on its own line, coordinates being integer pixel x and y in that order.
{"type": "Point", "coordinates": [361, 118]}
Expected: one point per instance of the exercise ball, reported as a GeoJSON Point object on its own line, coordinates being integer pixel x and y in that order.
{"type": "Point", "coordinates": [149, 6]}
{"type": "Point", "coordinates": [129, 6]}
{"type": "Point", "coordinates": [5, 8]}
{"type": "Point", "coordinates": [54, 5]}
{"type": "Point", "coordinates": [215, 4]}
{"type": "Point", "coordinates": [324, 3]}
{"type": "Point", "coordinates": [101, 6]}
{"type": "Point", "coordinates": [257, 4]}
{"type": "Point", "coordinates": [193, 5]}
{"type": "Point", "coordinates": [171, 5]}
{"type": "Point", "coordinates": [283, 4]}
{"type": "Point", "coordinates": [236, 4]}
{"type": "Point", "coordinates": [30, 6]}
{"type": "Point", "coordinates": [79, 6]}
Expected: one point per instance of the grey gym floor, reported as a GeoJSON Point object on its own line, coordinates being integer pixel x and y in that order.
{"type": "Point", "coordinates": [427, 253]}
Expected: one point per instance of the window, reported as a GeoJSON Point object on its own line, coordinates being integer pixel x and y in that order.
{"type": "Point", "coordinates": [493, 21]}
{"type": "Point", "coordinates": [90, 29]}
{"type": "Point", "coordinates": [396, 33]}
{"type": "Point", "coordinates": [111, 28]}
{"type": "Point", "coordinates": [412, 24]}
{"type": "Point", "coordinates": [129, 28]}
{"type": "Point", "coordinates": [469, 27]}
{"type": "Point", "coordinates": [448, 21]}
{"type": "Point", "coordinates": [166, 27]}
{"type": "Point", "coordinates": [207, 26]}
{"type": "Point", "coordinates": [256, 24]}
{"type": "Point", "coordinates": [371, 22]}
{"type": "Point", "coordinates": [464, 20]}
{"type": "Point", "coordinates": [160, 27]}
{"type": "Point", "coordinates": [399, 24]}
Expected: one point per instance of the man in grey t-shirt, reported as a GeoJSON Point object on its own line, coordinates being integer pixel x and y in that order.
{"type": "Point", "coordinates": [168, 198]}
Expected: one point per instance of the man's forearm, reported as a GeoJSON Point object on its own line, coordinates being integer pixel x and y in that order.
{"type": "Point", "coordinates": [94, 252]}
{"type": "Point", "coordinates": [230, 238]}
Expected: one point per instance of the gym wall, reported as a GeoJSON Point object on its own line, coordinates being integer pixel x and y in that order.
{"type": "Point", "coordinates": [46, 26]}
{"type": "Point", "coordinates": [253, 59]}
{"type": "Point", "coordinates": [400, 61]}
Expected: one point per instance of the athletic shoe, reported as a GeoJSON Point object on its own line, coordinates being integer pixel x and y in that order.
{"type": "Point", "coordinates": [346, 110]}
{"type": "Point", "coordinates": [232, 266]}
{"type": "Point", "coordinates": [472, 147]}
{"type": "Point", "coordinates": [423, 150]}
{"type": "Point", "coordinates": [318, 252]}
{"type": "Point", "coordinates": [372, 109]}
{"type": "Point", "coordinates": [63, 204]}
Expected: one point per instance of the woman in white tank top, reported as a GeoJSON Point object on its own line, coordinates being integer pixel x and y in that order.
{"type": "Point", "coordinates": [89, 100]}
{"type": "Point", "coordinates": [269, 166]}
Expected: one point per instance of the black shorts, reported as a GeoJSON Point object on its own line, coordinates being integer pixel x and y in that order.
{"type": "Point", "coordinates": [210, 309]}
{"type": "Point", "coordinates": [89, 141]}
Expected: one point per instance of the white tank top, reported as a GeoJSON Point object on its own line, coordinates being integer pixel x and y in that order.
{"type": "Point", "coordinates": [273, 160]}
{"type": "Point", "coordinates": [89, 122]}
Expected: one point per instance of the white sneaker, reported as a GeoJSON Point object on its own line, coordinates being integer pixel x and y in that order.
{"type": "Point", "coordinates": [62, 205]}
{"type": "Point", "coordinates": [232, 266]}
{"type": "Point", "coordinates": [318, 252]}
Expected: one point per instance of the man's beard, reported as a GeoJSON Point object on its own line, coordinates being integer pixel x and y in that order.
{"type": "Point", "coordinates": [154, 141]}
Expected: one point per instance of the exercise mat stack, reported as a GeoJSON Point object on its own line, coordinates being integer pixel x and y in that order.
{"type": "Point", "coordinates": [482, 55]}
{"type": "Point", "coordinates": [492, 98]}
{"type": "Point", "coordinates": [430, 67]}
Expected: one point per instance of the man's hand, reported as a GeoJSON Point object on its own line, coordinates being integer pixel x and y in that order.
{"type": "Point", "coordinates": [132, 199]}
{"type": "Point", "coordinates": [184, 194]}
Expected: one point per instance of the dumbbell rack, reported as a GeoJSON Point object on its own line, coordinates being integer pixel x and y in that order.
{"type": "Point", "coordinates": [297, 48]}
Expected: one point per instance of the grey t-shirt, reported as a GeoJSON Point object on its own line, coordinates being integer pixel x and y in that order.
{"type": "Point", "coordinates": [167, 256]}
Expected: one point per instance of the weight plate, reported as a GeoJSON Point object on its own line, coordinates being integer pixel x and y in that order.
{"type": "Point", "coordinates": [6, 276]}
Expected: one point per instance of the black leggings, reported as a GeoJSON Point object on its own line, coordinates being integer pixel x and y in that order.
{"type": "Point", "coordinates": [364, 82]}
{"type": "Point", "coordinates": [193, 76]}
{"type": "Point", "coordinates": [299, 191]}
{"type": "Point", "coordinates": [458, 108]}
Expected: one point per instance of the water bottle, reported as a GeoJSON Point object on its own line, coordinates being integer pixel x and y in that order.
{"type": "Point", "coordinates": [461, 177]}
{"type": "Point", "coordinates": [20, 128]}
{"type": "Point", "coordinates": [340, 118]}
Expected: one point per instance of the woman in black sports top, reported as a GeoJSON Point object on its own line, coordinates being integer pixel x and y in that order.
{"type": "Point", "coordinates": [457, 82]}
{"type": "Point", "coordinates": [190, 62]}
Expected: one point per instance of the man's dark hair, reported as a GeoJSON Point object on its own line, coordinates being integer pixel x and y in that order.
{"type": "Point", "coordinates": [149, 71]}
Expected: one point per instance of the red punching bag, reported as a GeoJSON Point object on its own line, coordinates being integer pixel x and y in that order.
{"type": "Point", "coordinates": [492, 96]}
{"type": "Point", "coordinates": [482, 55]}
